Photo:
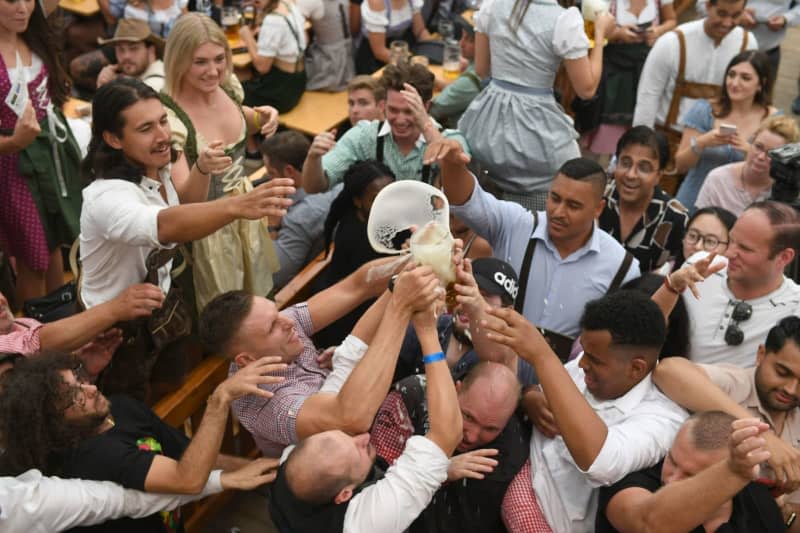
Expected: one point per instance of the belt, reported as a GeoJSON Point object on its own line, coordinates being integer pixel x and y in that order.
{"type": "Point", "coordinates": [524, 89]}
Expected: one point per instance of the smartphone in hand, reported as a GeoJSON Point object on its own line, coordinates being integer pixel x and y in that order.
{"type": "Point", "coordinates": [727, 129]}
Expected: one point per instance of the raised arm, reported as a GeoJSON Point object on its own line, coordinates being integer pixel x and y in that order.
{"type": "Point", "coordinates": [314, 178]}
{"type": "Point", "coordinates": [189, 474]}
{"type": "Point", "coordinates": [369, 281]}
{"type": "Point", "coordinates": [585, 72]}
{"type": "Point", "coordinates": [353, 408]}
{"type": "Point", "coordinates": [457, 181]}
{"type": "Point", "coordinates": [444, 413]}
{"type": "Point", "coordinates": [684, 278]}
{"type": "Point", "coordinates": [686, 504]}
{"type": "Point", "coordinates": [584, 432]}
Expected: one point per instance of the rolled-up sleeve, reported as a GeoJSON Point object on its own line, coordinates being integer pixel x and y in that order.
{"type": "Point", "coordinates": [24, 339]}
{"type": "Point", "coordinates": [345, 358]}
{"type": "Point", "coordinates": [391, 504]}
{"type": "Point", "coordinates": [639, 442]}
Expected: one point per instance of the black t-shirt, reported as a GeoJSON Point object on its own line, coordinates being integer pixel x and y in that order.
{"type": "Point", "coordinates": [754, 508]}
{"type": "Point", "coordinates": [469, 505]}
{"type": "Point", "coordinates": [123, 454]}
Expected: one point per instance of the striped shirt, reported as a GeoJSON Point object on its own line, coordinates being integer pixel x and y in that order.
{"type": "Point", "coordinates": [23, 337]}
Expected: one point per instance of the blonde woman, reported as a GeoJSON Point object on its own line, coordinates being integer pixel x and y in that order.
{"type": "Point", "coordinates": [203, 100]}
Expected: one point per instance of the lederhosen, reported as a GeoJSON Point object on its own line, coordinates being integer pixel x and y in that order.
{"type": "Point", "coordinates": [560, 343]}
{"type": "Point", "coordinates": [379, 142]}
{"type": "Point", "coordinates": [684, 89]}
{"type": "Point", "coordinates": [277, 88]}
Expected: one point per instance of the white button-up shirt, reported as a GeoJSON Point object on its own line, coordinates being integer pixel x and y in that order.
{"type": "Point", "coordinates": [119, 229]}
{"type": "Point", "coordinates": [34, 503]}
{"type": "Point", "coordinates": [641, 427]}
{"type": "Point", "coordinates": [705, 63]}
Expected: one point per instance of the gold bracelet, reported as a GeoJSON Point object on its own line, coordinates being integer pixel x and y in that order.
{"type": "Point", "coordinates": [256, 120]}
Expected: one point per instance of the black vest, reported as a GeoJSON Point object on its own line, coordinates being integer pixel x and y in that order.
{"type": "Point", "coordinates": [292, 515]}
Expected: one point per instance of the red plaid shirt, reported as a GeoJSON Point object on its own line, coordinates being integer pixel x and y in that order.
{"type": "Point", "coordinates": [392, 428]}
{"type": "Point", "coordinates": [521, 512]}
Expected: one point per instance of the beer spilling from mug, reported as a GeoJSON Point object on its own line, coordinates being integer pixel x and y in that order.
{"type": "Point", "coordinates": [432, 245]}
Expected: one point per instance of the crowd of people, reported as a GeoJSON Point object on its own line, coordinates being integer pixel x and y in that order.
{"type": "Point", "coordinates": [619, 349]}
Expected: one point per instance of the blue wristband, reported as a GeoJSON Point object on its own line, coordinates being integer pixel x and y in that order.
{"type": "Point", "coordinates": [432, 358]}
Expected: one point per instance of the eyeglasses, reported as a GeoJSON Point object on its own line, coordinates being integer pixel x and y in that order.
{"type": "Point", "coordinates": [734, 336]}
{"type": "Point", "coordinates": [710, 242]}
{"type": "Point", "coordinates": [759, 149]}
{"type": "Point", "coordinates": [643, 167]}
{"type": "Point", "coordinates": [75, 393]}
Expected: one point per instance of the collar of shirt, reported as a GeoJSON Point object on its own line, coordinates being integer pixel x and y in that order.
{"type": "Point", "coordinates": [151, 186]}
{"type": "Point", "coordinates": [541, 233]}
{"type": "Point", "coordinates": [386, 129]}
{"type": "Point", "coordinates": [625, 403]}
{"type": "Point", "coordinates": [655, 209]}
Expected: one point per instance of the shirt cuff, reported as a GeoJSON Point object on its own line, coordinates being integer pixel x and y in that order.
{"type": "Point", "coordinates": [214, 484]}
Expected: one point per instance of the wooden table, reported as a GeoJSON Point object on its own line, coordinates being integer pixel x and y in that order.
{"type": "Point", "coordinates": [85, 8]}
{"type": "Point", "coordinates": [320, 111]}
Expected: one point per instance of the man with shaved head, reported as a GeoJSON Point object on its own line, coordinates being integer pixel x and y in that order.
{"type": "Point", "coordinates": [493, 446]}
{"type": "Point", "coordinates": [703, 484]}
{"type": "Point", "coordinates": [329, 482]}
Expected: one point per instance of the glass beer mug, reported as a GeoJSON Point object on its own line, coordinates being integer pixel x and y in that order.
{"type": "Point", "coordinates": [590, 9]}
{"type": "Point", "coordinates": [451, 61]}
{"type": "Point", "coordinates": [432, 245]}
{"type": "Point", "coordinates": [230, 22]}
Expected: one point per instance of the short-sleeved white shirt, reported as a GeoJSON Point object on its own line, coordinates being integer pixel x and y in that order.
{"type": "Point", "coordinates": [378, 22]}
{"type": "Point", "coordinates": [277, 39]}
{"type": "Point", "coordinates": [119, 229]}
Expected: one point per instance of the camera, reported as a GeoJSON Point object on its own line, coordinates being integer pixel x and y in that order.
{"type": "Point", "coordinates": [784, 168]}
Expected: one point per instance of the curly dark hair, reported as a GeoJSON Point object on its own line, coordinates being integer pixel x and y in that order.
{"type": "Point", "coordinates": [32, 424]}
{"type": "Point", "coordinates": [630, 316]}
{"type": "Point", "coordinates": [356, 179]}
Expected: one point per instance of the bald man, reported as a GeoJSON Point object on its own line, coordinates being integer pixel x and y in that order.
{"type": "Point", "coordinates": [493, 446]}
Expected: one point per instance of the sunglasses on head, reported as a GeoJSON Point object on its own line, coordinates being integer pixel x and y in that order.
{"type": "Point", "coordinates": [734, 336]}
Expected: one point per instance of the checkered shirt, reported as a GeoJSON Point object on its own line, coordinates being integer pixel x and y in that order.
{"type": "Point", "coordinates": [520, 511]}
{"type": "Point", "coordinates": [272, 421]}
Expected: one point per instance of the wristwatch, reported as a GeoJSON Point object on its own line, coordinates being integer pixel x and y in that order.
{"type": "Point", "coordinates": [693, 145]}
{"type": "Point", "coordinates": [392, 281]}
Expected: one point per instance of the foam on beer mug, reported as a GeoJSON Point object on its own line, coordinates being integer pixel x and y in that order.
{"type": "Point", "coordinates": [397, 208]}
{"type": "Point", "coordinates": [432, 245]}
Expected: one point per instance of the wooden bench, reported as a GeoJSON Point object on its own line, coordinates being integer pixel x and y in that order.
{"type": "Point", "coordinates": [184, 408]}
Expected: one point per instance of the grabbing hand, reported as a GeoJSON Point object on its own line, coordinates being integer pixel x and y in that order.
{"type": "Point", "coordinates": [626, 34]}
{"type": "Point", "coordinates": [256, 473]}
{"type": "Point", "coordinates": [468, 294]}
{"type": "Point", "coordinates": [137, 301]}
{"type": "Point", "coordinates": [448, 151]}
{"type": "Point", "coordinates": [27, 127]}
{"type": "Point", "coordinates": [416, 289]}
{"type": "Point", "coordinates": [688, 275]}
{"type": "Point", "coordinates": [323, 143]}
{"type": "Point", "coordinates": [212, 159]}
{"type": "Point", "coordinates": [747, 19]}
{"type": "Point", "coordinates": [268, 199]}
{"type": "Point", "coordinates": [474, 464]}
{"type": "Point", "coordinates": [747, 447]}
{"type": "Point", "coordinates": [604, 24]}
{"type": "Point", "coordinates": [247, 380]}
{"type": "Point", "coordinates": [107, 73]}
{"type": "Point", "coordinates": [268, 118]}
{"type": "Point", "coordinates": [414, 101]}
{"type": "Point", "coordinates": [536, 406]}
{"type": "Point", "coordinates": [739, 143]}
{"type": "Point", "coordinates": [325, 357]}
{"type": "Point", "coordinates": [507, 327]}
{"type": "Point", "coordinates": [776, 23]}
{"type": "Point", "coordinates": [96, 354]}
{"type": "Point", "coordinates": [785, 462]}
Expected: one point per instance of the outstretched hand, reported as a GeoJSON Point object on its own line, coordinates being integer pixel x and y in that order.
{"type": "Point", "coordinates": [254, 474]}
{"type": "Point", "coordinates": [445, 151]}
{"type": "Point", "coordinates": [247, 380]}
{"type": "Point", "coordinates": [747, 447]}
{"type": "Point", "coordinates": [507, 327]}
{"type": "Point", "coordinates": [474, 464]}
{"type": "Point", "coordinates": [689, 275]}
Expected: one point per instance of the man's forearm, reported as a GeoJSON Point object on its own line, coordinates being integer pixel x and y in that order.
{"type": "Point", "coordinates": [184, 223]}
{"type": "Point", "coordinates": [457, 182]}
{"type": "Point", "coordinates": [314, 179]}
{"type": "Point", "coordinates": [71, 333]}
{"type": "Point", "coordinates": [366, 388]}
{"type": "Point", "coordinates": [584, 432]}
{"type": "Point", "coordinates": [444, 413]}
{"type": "Point", "coordinates": [683, 505]}
{"type": "Point", "coordinates": [690, 387]}
{"type": "Point", "coordinates": [203, 450]}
